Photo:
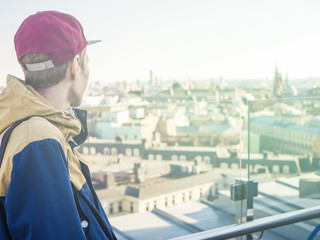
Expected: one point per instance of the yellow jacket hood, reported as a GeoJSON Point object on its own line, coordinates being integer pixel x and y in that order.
{"type": "Point", "coordinates": [18, 101]}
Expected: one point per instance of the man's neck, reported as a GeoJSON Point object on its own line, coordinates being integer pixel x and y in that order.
{"type": "Point", "coordinates": [56, 96]}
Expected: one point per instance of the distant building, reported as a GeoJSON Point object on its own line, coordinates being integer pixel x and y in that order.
{"type": "Point", "coordinates": [281, 87]}
{"type": "Point", "coordinates": [285, 137]}
{"type": "Point", "coordinates": [315, 91]}
{"type": "Point", "coordinates": [146, 197]}
{"type": "Point", "coordinates": [157, 193]}
{"type": "Point", "coordinates": [133, 130]}
{"type": "Point", "coordinates": [119, 117]}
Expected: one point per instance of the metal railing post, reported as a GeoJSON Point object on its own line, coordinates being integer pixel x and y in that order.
{"type": "Point", "coordinates": [242, 192]}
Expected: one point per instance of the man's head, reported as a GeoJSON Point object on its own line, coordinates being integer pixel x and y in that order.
{"type": "Point", "coordinates": [47, 45]}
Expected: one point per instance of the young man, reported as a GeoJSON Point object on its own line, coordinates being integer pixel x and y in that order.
{"type": "Point", "coordinates": [45, 186]}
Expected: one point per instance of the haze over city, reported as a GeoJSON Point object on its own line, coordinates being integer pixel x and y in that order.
{"type": "Point", "coordinates": [183, 40]}
{"type": "Point", "coordinates": [195, 111]}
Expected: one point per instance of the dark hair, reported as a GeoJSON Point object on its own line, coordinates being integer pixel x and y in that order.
{"type": "Point", "coordinates": [49, 77]}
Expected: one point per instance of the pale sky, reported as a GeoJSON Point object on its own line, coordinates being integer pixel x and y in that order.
{"type": "Point", "coordinates": [183, 39]}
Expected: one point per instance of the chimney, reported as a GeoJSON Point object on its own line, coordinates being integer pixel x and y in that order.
{"type": "Point", "coordinates": [138, 173]}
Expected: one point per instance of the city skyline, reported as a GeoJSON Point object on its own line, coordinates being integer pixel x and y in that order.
{"type": "Point", "coordinates": [184, 40]}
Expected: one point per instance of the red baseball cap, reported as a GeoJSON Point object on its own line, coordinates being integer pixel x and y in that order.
{"type": "Point", "coordinates": [56, 34]}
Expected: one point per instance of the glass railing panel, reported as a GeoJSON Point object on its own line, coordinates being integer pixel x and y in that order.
{"type": "Point", "coordinates": [185, 164]}
{"type": "Point", "coordinates": [167, 162]}
{"type": "Point", "coordinates": [283, 137]}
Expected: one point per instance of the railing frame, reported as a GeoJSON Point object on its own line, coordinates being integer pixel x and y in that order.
{"type": "Point", "coordinates": [258, 225]}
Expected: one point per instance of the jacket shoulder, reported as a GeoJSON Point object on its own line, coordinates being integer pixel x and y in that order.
{"type": "Point", "coordinates": [37, 129]}
{"type": "Point", "coordinates": [29, 131]}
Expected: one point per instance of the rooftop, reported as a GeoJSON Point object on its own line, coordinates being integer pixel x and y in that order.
{"type": "Point", "coordinates": [275, 197]}
{"type": "Point", "coordinates": [166, 185]}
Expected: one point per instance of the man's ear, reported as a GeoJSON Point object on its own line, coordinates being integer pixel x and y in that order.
{"type": "Point", "coordinates": [75, 66]}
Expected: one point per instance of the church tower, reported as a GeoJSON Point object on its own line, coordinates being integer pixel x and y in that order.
{"type": "Point", "coordinates": [277, 84]}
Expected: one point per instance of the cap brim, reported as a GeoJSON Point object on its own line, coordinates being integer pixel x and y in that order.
{"type": "Point", "coordinates": [93, 41]}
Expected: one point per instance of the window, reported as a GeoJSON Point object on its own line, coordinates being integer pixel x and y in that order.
{"type": "Point", "coordinates": [85, 150]}
{"type": "Point", "coordinates": [136, 152]}
{"type": "Point", "coordinates": [93, 150]}
{"type": "Point", "coordinates": [234, 165]}
{"type": "Point", "coordinates": [106, 151]}
{"type": "Point", "coordinates": [224, 165]}
{"type": "Point", "coordinates": [114, 151]}
{"type": "Point", "coordinates": [286, 169]}
{"type": "Point", "coordinates": [275, 169]}
{"type": "Point", "coordinates": [119, 206]}
{"type": "Point", "coordinates": [174, 157]}
{"type": "Point", "coordinates": [129, 152]}
{"type": "Point", "coordinates": [111, 208]}
{"type": "Point", "coordinates": [131, 207]}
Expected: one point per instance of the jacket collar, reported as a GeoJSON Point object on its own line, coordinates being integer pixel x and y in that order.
{"type": "Point", "coordinates": [82, 136]}
{"type": "Point", "coordinates": [18, 101]}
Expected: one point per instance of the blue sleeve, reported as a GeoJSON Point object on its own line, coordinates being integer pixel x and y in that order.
{"type": "Point", "coordinates": [39, 202]}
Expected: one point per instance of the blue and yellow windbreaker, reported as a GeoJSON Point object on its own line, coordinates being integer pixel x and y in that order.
{"type": "Point", "coordinates": [45, 186]}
